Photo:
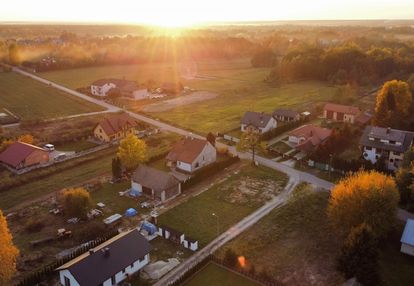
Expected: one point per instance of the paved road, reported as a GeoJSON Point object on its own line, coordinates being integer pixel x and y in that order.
{"type": "Point", "coordinates": [231, 233]}
{"type": "Point", "coordinates": [291, 172]}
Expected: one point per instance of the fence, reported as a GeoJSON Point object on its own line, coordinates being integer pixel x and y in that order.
{"type": "Point", "coordinates": [47, 271]}
{"type": "Point", "coordinates": [263, 279]}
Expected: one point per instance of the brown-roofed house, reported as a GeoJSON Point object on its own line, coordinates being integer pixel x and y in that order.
{"type": "Point", "coordinates": [21, 155]}
{"type": "Point", "coordinates": [342, 113]}
{"type": "Point", "coordinates": [308, 137]}
{"type": "Point", "coordinates": [114, 127]}
{"type": "Point", "coordinates": [154, 183]}
{"type": "Point", "coordinates": [191, 154]}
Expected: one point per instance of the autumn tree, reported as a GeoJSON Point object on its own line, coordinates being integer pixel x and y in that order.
{"type": "Point", "coordinates": [132, 151]}
{"type": "Point", "coordinates": [14, 55]}
{"type": "Point", "coordinates": [26, 138]}
{"type": "Point", "coordinates": [393, 104]}
{"type": "Point", "coordinates": [359, 256]}
{"type": "Point", "coordinates": [8, 253]}
{"type": "Point", "coordinates": [364, 197]}
{"type": "Point", "coordinates": [77, 202]}
{"type": "Point", "coordinates": [410, 82]}
{"type": "Point", "coordinates": [249, 140]}
{"type": "Point", "coordinates": [211, 138]}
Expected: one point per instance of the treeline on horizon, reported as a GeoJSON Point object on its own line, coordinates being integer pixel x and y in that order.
{"type": "Point", "coordinates": [343, 54]}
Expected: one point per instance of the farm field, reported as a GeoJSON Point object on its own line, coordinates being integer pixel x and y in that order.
{"type": "Point", "coordinates": [213, 274]}
{"type": "Point", "coordinates": [231, 200]}
{"type": "Point", "coordinates": [30, 99]}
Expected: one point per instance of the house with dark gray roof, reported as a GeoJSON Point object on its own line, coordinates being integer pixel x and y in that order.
{"type": "Point", "coordinates": [390, 144]}
{"type": "Point", "coordinates": [109, 263]}
{"type": "Point", "coordinates": [286, 115]}
{"type": "Point", "coordinates": [257, 121]}
{"type": "Point", "coordinates": [154, 183]}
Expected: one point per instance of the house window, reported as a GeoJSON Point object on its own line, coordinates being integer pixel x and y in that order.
{"type": "Point", "coordinates": [67, 281]}
{"type": "Point", "coordinates": [113, 282]}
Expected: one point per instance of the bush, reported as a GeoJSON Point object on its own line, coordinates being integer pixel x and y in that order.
{"type": "Point", "coordinates": [230, 258]}
{"type": "Point", "coordinates": [34, 225]}
{"type": "Point", "coordinates": [77, 202]}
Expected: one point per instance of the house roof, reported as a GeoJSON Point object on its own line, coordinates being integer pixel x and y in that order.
{"type": "Point", "coordinates": [94, 268]}
{"type": "Point", "coordinates": [347, 109]}
{"type": "Point", "coordinates": [408, 234]}
{"type": "Point", "coordinates": [256, 119]}
{"type": "Point", "coordinates": [116, 123]}
{"type": "Point", "coordinates": [378, 133]}
{"type": "Point", "coordinates": [314, 135]}
{"type": "Point", "coordinates": [187, 150]}
{"type": "Point", "coordinates": [154, 179]}
{"type": "Point", "coordinates": [285, 112]}
{"type": "Point", "coordinates": [17, 152]}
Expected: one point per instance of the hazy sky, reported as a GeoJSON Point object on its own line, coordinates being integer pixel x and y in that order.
{"type": "Point", "coordinates": [184, 12]}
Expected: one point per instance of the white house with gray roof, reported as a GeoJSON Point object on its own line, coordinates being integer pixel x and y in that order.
{"type": "Point", "coordinates": [109, 263]}
{"type": "Point", "coordinates": [257, 121]}
{"type": "Point", "coordinates": [391, 144]}
{"type": "Point", "coordinates": [407, 239]}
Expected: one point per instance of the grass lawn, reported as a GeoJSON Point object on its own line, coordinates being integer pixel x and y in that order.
{"type": "Point", "coordinates": [213, 274]}
{"type": "Point", "coordinates": [75, 146]}
{"type": "Point", "coordinates": [281, 147]}
{"type": "Point", "coordinates": [30, 99]}
{"type": "Point", "coordinates": [231, 200]}
{"type": "Point", "coordinates": [293, 243]}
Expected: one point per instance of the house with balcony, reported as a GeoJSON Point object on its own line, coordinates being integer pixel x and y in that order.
{"type": "Point", "coordinates": [390, 144]}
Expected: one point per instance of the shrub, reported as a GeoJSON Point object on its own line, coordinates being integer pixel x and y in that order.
{"type": "Point", "coordinates": [34, 225]}
{"type": "Point", "coordinates": [77, 202]}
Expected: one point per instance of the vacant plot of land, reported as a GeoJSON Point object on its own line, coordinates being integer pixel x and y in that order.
{"type": "Point", "coordinates": [231, 200]}
{"type": "Point", "coordinates": [213, 274]}
{"type": "Point", "coordinates": [293, 243]}
{"type": "Point", "coordinates": [30, 99]}
{"type": "Point", "coordinates": [179, 101]}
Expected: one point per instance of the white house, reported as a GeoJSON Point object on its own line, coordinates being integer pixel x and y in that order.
{"type": "Point", "coordinates": [387, 143]}
{"type": "Point", "coordinates": [102, 87]}
{"type": "Point", "coordinates": [407, 239]}
{"type": "Point", "coordinates": [126, 88]}
{"type": "Point", "coordinates": [257, 121]}
{"type": "Point", "coordinates": [154, 183]}
{"type": "Point", "coordinates": [191, 154]}
{"type": "Point", "coordinates": [109, 263]}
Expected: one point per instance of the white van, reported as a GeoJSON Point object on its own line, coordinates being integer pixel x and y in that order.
{"type": "Point", "coordinates": [49, 147]}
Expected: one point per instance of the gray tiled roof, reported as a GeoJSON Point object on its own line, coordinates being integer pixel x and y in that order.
{"type": "Point", "coordinates": [256, 119]}
{"type": "Point", "coordinates": [154, 179]}
{"type": "Point", "coordinates": [285, 112]}
{"type": "Point", "coordinates": [379, 133]}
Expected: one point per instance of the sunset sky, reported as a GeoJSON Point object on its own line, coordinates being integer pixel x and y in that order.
{"type": "Point", "coordinates": [187, 12]}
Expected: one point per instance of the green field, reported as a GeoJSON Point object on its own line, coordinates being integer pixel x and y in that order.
{"type": "Point", "coordinates": [30, 99]}
{"type": "Point", "coordinates": [194, 217]}
{"type": "Point", "coordinates": [213, 274]}
{"type": "Point", "coordinates": [239, 86]}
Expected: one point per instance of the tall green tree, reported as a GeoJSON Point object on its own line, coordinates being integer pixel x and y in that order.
{"type": "Point", "coordinates": [393, 104]}
{"type": "Point", "coordinates": [132, 151]}
{"type": "Point", "coordinates": [116, 168]}
{"type": "Point", "coordinates": [359, 256]}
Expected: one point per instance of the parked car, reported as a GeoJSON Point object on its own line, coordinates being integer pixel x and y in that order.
{"type": "Point", "coordinates": [49, 147]}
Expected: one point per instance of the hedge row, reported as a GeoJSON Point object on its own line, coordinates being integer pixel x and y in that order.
{"type": "Point", "coordinates": [208, 171]}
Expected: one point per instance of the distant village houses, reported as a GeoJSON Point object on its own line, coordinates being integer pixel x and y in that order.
{"type": "Point", "coordinates": [114, 127]}
{"type": "Point", "coordinates": [345, 113]}
{"type": "Point", "coordinates": [22, 155]}
{"type": "Point", "coordinates": [286, 115]}
{"type": "Point", "coordinates": [121, 87]}
{"type": "Point", "coordinates": [389, 144]}
{"type": "Point", "coordinates": [308, 137]}
{"type": "Point", "coordinates": [258, 122]}
{"type": "Point", "coordinates": [191, 154]}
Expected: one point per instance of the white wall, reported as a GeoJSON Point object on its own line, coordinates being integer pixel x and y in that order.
{"type": "Point", "coordinates": [272, 124]}
{"type": "Point", "coordinates": [184, 166]}
{"type": "Point", "coordinates": [102, 90]}
{"type": "Point", "coordinates": [407, 249]}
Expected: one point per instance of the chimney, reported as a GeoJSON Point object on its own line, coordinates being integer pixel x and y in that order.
{"type": "Point", "coordinates": [106, 251]}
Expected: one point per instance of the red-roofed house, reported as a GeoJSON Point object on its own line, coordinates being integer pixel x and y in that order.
{"type": "Point", "coordinates": [342, 113]}
{"type": "Point", "coordinates": [308, 137]}
{"type": "Point", "coordinates": [191, 154]}
{"type": "Point", "coordinates": [114, 128]}
{"type": "Point", "coordinates": [21, 155]}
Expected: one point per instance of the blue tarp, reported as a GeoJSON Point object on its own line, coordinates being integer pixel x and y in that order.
{"type": "Point", "coordinates": [131, 212]}
{"type": "Point", "coordinates": [149, 227]}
